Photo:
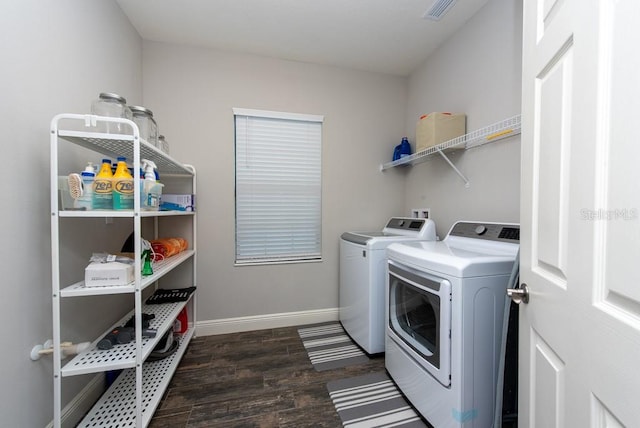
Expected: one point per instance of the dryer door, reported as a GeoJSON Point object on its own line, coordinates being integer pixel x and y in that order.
{"type": "Point", "coordinates": [420, 318]}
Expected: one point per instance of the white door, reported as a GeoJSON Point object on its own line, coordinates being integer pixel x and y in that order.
{"type": "Point", "coordinates": [580, 206]}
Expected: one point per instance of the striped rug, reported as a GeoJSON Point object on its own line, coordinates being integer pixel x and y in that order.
{"type": "Point", "coordinates": [372, 400]}
{"type": "Point", "coordinates": [329, 347]}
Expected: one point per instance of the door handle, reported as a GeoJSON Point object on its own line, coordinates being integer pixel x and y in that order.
{"type": "Point", "coordinates": [520, 294]}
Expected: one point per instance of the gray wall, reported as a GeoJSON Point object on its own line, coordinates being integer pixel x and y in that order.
{"type": "Point", "coordinates": [477, 72]}
{"type": "Point", "coordinates": [192, 92]}
{"type": "Point", "coordinates": [56, 57]}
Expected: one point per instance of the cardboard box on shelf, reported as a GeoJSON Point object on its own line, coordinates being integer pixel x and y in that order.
{"type": "Point", "coordinates": [436, 128]}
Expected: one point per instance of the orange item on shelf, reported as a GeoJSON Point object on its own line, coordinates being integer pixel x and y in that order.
{"type": "Point", "coordinates": [168, 247]}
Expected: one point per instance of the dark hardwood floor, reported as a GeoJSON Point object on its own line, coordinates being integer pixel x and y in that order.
{"type": "Point", "coordinates": [254, 379]}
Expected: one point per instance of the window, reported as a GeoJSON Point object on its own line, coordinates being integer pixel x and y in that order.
{"type": "Point", "coordinates": [278, 186]}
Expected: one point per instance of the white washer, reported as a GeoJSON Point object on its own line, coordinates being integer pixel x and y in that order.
{"type": "Point", "coordinates": [445, 311]}
{"type": "Point", "coordinates": [362, 277]}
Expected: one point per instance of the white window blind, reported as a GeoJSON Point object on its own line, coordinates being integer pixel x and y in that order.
{"type": "Point", "coordinates": [278, 186]}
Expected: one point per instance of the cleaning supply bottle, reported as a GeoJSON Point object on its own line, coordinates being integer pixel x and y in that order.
{"type": "Point", "coordinates": [103, 187]}
{"type": "Point", "coordinates": [149, 170]}
{"type": "Point", "coordinates": [122, 186]}
{"type": "Point", "coordinates": [151, 190]}
{"type": "Point", "coordinates": [396, 152]}
{"type": "Point", "coordinates": [147, 269]}
{"type": "Point", "coordinates": [88, 177]}
{"type": "Point", "coordinates": [405, 147]}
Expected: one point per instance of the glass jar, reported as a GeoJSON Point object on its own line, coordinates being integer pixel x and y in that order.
{"type": "Point", "coordinates": [163, 144]}
{"type": "Point", "coordinates": [111, 105]}
{"type": "Point", "coordinates": [143, 117]}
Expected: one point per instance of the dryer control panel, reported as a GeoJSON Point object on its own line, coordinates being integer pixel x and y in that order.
{"type": "Point", "coordinates": [504, 232]}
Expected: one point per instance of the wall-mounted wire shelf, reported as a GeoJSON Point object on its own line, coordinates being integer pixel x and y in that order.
{"type": "Point", "coordinates": [489, 134]}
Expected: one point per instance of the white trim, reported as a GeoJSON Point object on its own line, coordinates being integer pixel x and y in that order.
{"type": "Point", "coordinates": [278, 115]}
{"type": "Point", "coordinates": [261, 322]}
{"type": "Point", "coordinates": [74, 411]}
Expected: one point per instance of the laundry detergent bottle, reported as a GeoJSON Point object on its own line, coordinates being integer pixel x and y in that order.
{"type": "Point", "coordinates": [103, 187]}
{"type": "Point", "coordinates": [405, 147]}
{"type": "Point", "coordinates": [122, 186]}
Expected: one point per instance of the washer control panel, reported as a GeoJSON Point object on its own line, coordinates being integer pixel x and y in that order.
{"type": "Point", "coordinates": [490, 231]}
{"type": "Point", "coordinates": [404, 223]}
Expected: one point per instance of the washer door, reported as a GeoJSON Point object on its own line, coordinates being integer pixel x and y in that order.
{"type": "Point", "coordinates": [420, 318]}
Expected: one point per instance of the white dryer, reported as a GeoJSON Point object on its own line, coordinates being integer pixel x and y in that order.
{"type": "Point", "coordinates": [445, 311]}
{"type": "Point", "coordinates": [362, 277]}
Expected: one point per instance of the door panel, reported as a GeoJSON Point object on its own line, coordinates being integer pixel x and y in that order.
{"type": "Point", "coordinates": [602, 417]}
{"type": "Point", "coordinates": [548, 7]}
{"type": "Point", "coordinates": [551, 153]}
{"type": "Point", "coordinates": [548, 383]}
{"type": "Point", "coordinates": [580, 215]}
{"type": "Point", "coordinates": [617, 287]}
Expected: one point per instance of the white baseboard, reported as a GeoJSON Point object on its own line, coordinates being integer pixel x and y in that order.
{"type": "Point", "coordinates": [261, 322]}
{"type": "Point", "coordinates": [81, 403]}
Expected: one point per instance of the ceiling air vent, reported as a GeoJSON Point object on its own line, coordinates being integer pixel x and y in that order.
{"type": "Point", "coordinates": [439, 9]}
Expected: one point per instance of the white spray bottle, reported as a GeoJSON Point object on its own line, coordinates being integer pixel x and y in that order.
{"type": "Point", "coordinates": [151, 189]}
{"type": "Point", "coordinates": [88, 176]}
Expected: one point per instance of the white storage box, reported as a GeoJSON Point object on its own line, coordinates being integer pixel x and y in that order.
{"type": "Point", "coordinates": [108, 274]}
{"type": "Point", "coordinates": [437, 128]}
{"type": "Point", "coordinates": [178, 202]}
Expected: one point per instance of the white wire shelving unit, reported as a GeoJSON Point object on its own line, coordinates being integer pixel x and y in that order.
{"type": "Point", "coordinates": [489, 134]}
{"type": "Point", "coordinates": [133, 397]}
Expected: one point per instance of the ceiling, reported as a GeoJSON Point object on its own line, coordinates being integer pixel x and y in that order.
{"type": "Point", "coordinates": [386, 36]}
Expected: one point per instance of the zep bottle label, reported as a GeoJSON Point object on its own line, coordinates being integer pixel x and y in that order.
{"type": "Point", "coordinates": [102, 193]}
{"type": "Point", "coordinates": [123, 194]}
{"type": "Point", "coordinates": [102, 186]}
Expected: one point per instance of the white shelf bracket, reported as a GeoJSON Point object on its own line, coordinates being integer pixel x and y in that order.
{"type": "Point", "coordinates": [466, 182]}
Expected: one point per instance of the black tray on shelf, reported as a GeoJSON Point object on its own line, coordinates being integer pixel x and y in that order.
{"type": "Point", "coordinates": [170, 296]}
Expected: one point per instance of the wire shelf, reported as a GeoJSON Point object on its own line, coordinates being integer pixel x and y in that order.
{"type": "Point", "coordinates": [117, 407]}
{"type": "Point", "coordinates": [160, 268]}
{"type": "Point", "coordinates": [489, 134]}
{"type": "Point", "coordinates": [121, 214]}
{"type": "Point", "coordinates": [123, 356]}
{"type": "Point", "coordinates": [115, 145]}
